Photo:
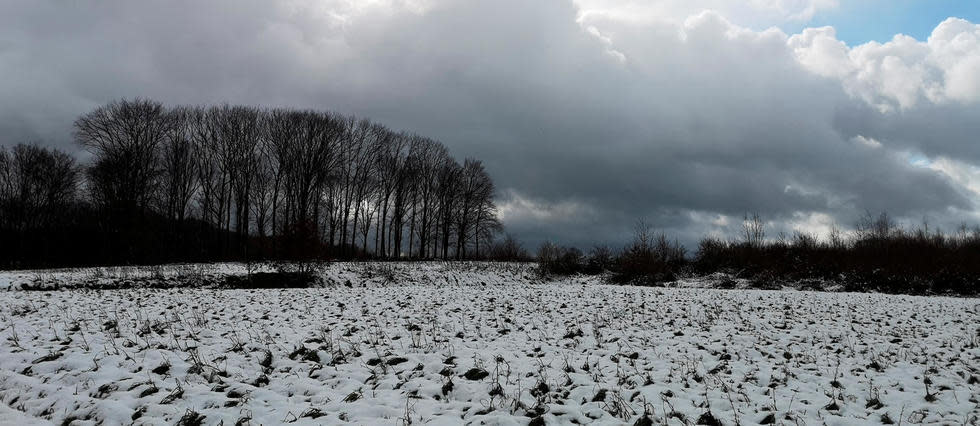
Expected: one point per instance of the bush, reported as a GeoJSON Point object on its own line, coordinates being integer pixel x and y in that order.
{"type": "Point", "coordinates": [555, 260]}
{"type": "Point", "coordinates": [600, 260]}
{"type": "Point", "coordinates": [650, 259]}
{"type": "Point", "coordinates": [881, 256]}
{"type": "Point", "coordinates": [508, 250]}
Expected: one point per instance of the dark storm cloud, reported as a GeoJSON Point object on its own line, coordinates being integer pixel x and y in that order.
{"type": "Point", "coordinates": [585, 126]}
{"type": "Point", "coordinates": [935, 130]}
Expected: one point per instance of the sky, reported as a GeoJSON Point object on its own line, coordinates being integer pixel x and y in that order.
{"type": "Point", "coordinates": [861, 21]}
{"type": "Point", "coordinates": [588, 114]}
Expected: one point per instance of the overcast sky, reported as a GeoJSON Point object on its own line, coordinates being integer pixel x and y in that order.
{"type": "Point", "coordinates": [589, 114]}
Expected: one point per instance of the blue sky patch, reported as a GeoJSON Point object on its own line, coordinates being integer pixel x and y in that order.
{"type": "Point", "coordinates": [860, 21]}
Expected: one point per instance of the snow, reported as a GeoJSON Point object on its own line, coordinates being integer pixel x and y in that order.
{"type": "Point", "coordinates": [381, 343]}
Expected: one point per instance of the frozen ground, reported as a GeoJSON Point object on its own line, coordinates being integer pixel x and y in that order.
{"type": "Point", "coordinates": [482, 344]}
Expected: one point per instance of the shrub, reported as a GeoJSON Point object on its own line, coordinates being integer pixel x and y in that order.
{"type": "Point", "coordinates": [508, 249]}
{"type": "Point", "coordinates": [650, 259]}
{"type": "Point", "coordinates": [557, 260]}
{"type": "Point", "coordinates": [600, 260]}
{"type": "Point", "coordinates": [881, 256]}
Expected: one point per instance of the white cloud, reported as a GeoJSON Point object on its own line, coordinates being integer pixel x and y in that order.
{"type": "Point", "coordinates": [819, 50]}
{"type": "Point", "coordinates": [516, 207]}
{"type": "Point", "coordinates": [902, 73]}
{"type": "Point", "coordinates": [965, 174]}
{"type": "Point", "coordinates": [818, 224]}
{"type": "Point", "coordinates": [866, 141]}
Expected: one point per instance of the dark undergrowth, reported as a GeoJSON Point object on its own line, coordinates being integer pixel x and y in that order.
{"type": "Point", "coordinates": [256, 280]}
{"type": "Point", "coordinates": [880, 256]}
{"type": "Point", "coordinates": [301, 279]}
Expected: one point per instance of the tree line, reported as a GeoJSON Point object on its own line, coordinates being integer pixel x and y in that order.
{"type": "Point", "coordinates": [879, 255]}
{"type": "Point", "coordinates": [203, 183]}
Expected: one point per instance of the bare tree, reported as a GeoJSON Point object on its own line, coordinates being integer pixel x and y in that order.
{"type": "Point", "coordinates": [875, 228]}
{"type": "Point", "coordinates": [179, 164]}
{"type": "Point", "coordinates": [836, 237]}
{"type": "Point", "coordinates": [37, 188]}
{"type": "Point", "coordinates": [36, 184]}
{"type": "Point", "coordinates": [300, 181]}
{"type": "Point", "coordinates": [125, 138]}
{"type": "Point", "coordinates": [753, 230]}
{"type": "Point", "coordinates": [447, 191]}
{"type": "Point", "coordinates": [475, 205]}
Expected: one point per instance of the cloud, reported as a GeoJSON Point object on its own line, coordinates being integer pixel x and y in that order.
{"type": "Point", "coordinates": [587, 116]}
{"type": "Point", "coordinates": [752, 13]}
{"type": "Point", "coordinates": [903, 72]}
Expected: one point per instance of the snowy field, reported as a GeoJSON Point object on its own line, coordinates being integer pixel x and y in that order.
{"type": "Point", "coordinates": [479, 344]}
